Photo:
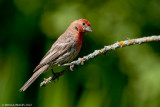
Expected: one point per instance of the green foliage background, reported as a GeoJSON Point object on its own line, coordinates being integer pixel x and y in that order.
{"type": "Point", "coordinates": [128, 77]}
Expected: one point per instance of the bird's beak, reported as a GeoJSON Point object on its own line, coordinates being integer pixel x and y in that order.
{"type": "Point", "coordinates": [88, 29]}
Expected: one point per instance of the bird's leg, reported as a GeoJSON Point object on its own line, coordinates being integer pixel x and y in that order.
{"type": "Point", "coordinates": [58, 74]}
{"type": "Point", "coordinates": [55, 75]}
{"type": "Point", "coordinates": [53, 72]}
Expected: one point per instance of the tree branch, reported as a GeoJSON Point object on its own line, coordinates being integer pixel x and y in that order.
{"type": "Point", "coordinates": [114, 46]}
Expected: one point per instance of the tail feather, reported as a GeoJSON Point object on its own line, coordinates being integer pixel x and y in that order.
{"type": "Point", "coordinates": [34, 77]}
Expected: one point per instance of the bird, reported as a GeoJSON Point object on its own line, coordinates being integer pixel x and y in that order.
{"type": "Point", "coordinates": [63, 50]}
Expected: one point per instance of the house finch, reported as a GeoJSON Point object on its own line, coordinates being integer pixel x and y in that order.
{"type": "Point", "coordinates": [64, 50]}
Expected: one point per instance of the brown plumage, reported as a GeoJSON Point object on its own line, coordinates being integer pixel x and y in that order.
{"type": "Point", "coordinates": [64, 50]}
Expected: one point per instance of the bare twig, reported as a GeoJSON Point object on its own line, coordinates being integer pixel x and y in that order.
{"type": "Point", "coordinates": [120, 44]}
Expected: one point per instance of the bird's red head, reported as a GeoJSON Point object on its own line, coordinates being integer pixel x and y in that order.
{"type": "Point", "coordinates": [82, 25]}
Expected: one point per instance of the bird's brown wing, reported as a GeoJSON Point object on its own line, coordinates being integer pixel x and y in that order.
{"type": "Point", "coordinates": [57, 50]}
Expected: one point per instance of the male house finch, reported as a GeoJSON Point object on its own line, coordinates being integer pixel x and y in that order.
{"type": "Point", "coordinates": [64, 50]}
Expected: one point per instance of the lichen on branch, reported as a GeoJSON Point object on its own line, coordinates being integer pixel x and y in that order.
{"type": "Point", "coordinates": [114, 46]}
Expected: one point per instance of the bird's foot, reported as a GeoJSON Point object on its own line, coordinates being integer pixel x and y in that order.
{"type": "Point", "coordinates": [55, 75]}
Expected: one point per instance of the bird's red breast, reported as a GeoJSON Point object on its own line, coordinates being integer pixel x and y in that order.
{"type": "Point", "coordinates": [79, 40]}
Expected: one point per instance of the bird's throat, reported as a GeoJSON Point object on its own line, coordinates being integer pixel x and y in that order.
{"type": "Point", "coordinates": [80, 36]}
{"type": "Point", "coordinates": [79, 40]}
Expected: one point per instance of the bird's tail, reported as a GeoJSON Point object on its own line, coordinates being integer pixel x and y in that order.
{"type": "Point", "coordinates": [34, 77]}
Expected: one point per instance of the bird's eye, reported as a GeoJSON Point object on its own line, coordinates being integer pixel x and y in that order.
{"type": "Point", "coordinates": [83, 23]}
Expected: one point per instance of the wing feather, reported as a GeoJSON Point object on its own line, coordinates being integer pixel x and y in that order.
{"type": "Point", "coordinates": [57, 51]}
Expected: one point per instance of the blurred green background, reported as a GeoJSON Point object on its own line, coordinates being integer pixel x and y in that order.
{"type": "Point", "coordinates": [127, 77]}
